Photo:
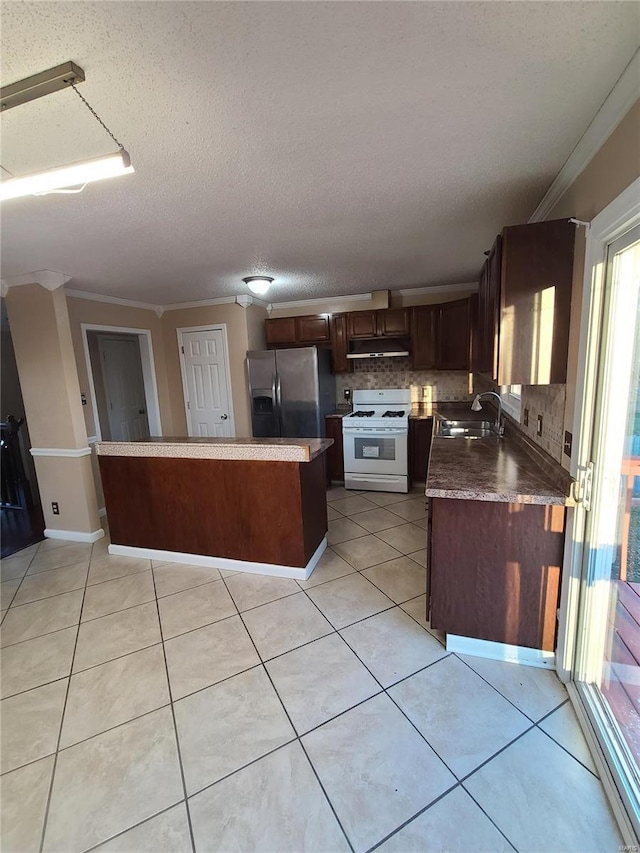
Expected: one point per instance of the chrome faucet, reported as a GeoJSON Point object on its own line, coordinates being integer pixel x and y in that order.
{"type": "Point", "coordinates": [476, 407]}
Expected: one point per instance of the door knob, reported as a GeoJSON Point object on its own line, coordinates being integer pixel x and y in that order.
{"type": "Point", "coordinates": [223, 417]}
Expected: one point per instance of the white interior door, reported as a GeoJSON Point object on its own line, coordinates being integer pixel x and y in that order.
{"type": "Point", "coordinates": [124, 388]}
{"type": "Point", "coordinates": [208, 397]}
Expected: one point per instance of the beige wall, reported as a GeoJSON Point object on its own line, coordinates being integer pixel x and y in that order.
{"type": "Point", "coordinates": [42, 341]}
{"type": "Point", "coordinates": [614, 167]}
{"type": "Point", "coordinates": [41, 333]}
{"type": "Point", "coordinates": [235, 318]}
{"type": "Point", "coordinates": [108, 314]}
{"type": "Point", "coordinates": [255, 327]}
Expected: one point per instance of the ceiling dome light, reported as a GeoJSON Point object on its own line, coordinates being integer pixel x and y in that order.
{"type": "Point", "coordinates": [258, 284]}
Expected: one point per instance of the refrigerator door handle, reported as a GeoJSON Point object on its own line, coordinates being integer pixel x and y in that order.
{"type": "Point", "coordinates": [278, 399]}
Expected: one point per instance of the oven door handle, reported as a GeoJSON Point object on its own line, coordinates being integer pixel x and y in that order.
{"type": "Point", "coordinates": [365, 433]}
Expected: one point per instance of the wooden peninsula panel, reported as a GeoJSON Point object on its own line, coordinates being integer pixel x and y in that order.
{"type": "Point", "coordinates": [257, 511]}
{"type": "Point", "coordinates": [495, 570]}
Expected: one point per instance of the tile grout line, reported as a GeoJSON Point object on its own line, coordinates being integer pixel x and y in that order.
{"type": "Point", "coordinates": [62, 716]}
{"type": "Point", "coordinates": [413, 817]}
{"type": "Point", "coordinates": [295, 731]}
{"type": "Point", "coordinates": [562, 746]}
{"type": "Point", "coordinates": [458, 781]}
{"type": "Point", "coordinates": [173, 717]}
{"type": "Point", "coordinates": [135, 826]}
{"type": "Point", "coordinates": [506, 698]}
{"type": "Point", "coordinates": [21, 579]}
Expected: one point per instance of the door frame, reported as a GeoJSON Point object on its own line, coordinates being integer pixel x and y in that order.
{"type": "Point", "coordinates": [148, 374]}
{"type": "Point", "coordinates": [622, 214]}
{"type": "Point", "coordinates": [216, 327]}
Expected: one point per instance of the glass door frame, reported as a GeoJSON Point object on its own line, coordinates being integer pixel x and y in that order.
{"type": "Point", "coordinates": [580, 647]}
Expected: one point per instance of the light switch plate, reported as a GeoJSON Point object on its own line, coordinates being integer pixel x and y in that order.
{"type": "Point", "coordinates": [539, 425]}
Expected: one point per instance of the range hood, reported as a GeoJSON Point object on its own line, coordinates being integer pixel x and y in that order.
{"type": "Point", "coordinates": [377, 348]}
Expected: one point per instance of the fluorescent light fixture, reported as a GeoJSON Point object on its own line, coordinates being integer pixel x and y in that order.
{"type": "Point", "coordinates": [258, 284]}
{"type": "Point", "coordinates": [63, 177]}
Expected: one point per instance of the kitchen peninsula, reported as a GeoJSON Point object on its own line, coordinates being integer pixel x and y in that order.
{"type": "Point", "coordinates": [251, 505]}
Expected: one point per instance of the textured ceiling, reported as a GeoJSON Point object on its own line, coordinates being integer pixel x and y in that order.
{"type": "Point", "coordinates": [339, 147]}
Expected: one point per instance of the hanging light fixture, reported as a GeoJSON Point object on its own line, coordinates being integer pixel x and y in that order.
{"type": "Point", "coordinates": [258, 284]}
{"type": "Point", "coordinates": [62, 179]}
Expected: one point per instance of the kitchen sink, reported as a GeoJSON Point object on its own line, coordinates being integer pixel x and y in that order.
{"type": "Point", "coordinates": [465, 429]}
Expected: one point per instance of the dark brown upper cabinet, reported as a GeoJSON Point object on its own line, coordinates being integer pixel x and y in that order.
{"type": "Point", "coordinates": [485, 350]}
{"type": "Point", "coordinates": [280, 330]}
{"type": "Point", "coordinates": [340, 344]}
{"type": "Point", "coordinates": [393, 322]}
{"type": "Point", "coordinates": [535, 302]}
{"type": "Point", "coordinates": [453, 335]}
{"type": "Point", "coordinates": [423, 336]}
{"type": "Point", "coordinates": [289, 331]}
{"type": "Point", "coordinates": [386, 322]}
{"type": "Point", "coordinates": [313, 329]}
{"type": "Point", "coordinates": [361, 324]}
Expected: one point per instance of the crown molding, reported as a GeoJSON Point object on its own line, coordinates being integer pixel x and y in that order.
{"type": "Point", "coordinates": [114, 300]}
{"type": "Point", "coordinates": [49, 279]}
{"type": "Point", "coordinates": [202, 303]}
{"type": "Point", "coordinates": [619, 101]}
{"type": "Point", "coordinates": [245, 300]}
{"type": "Point", "coordinates": [321, 300]}
{"type": "Point", "coordinates": [439, 288]}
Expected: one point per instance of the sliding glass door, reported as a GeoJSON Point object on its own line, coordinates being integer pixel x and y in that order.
{"type": "Point", "coordinates": [607, 668]}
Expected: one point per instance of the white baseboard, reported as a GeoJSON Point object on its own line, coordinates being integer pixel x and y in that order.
{"type": "Point", "coordinates": [501, 651]}
{"type": "Point", "coordinates": [74, 535]}
{"type": "Point", "coordinates": [278, 571]}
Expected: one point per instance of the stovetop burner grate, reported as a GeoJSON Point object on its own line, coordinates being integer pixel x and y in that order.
{"type": "Point", "coordinates": [364, 414]}
{"type": "Point", "coordinates": [398, 413]}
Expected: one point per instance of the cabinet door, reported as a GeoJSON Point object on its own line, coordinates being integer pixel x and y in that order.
{"type": "Point", "coordinates": [312, 329]}
{"type": "Point", "coordinates": [423, 337]}
{"type": "Point", "coordinates": [495, 570]}
{"type": "Point", "coordinates": [361, 324]}
{"type": "Point", "coordinates": [420, 447]}
{"type": "Point", "coordinates": [453, 336]}
{"type": "Point", "coordinates": [335, 454]}
{"type": "Point", "coordinates": [280, 330]}
{"type": "Point", "coordinates": [480, 360]}
{"type": "Point", "coordinates": [535, 302]}
{"type": "Point", "coordinates": [393, 322]}
{"type": "Point", "coordinates": [340, 344]}
{"type": "Point", "coordinates": [492, 307]}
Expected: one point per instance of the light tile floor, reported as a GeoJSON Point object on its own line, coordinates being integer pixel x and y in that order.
{"type": "Point", "coordinates": [156, 707]}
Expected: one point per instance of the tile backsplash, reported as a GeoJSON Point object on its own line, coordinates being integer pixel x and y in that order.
{"type": "Point", "coordinates": [546, 400]}
{"type": "Point", "coordinates": [425, 385]}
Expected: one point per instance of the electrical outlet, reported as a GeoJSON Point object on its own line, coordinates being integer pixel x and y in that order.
{"type": "Point", "coordinates": [55, 509]}
{"type": "Point", "coordinates": [525, 417]}
{"type": "Point", "coordinates": [568, 443]}
{"type": "Point", "coordinates": [539, 425]}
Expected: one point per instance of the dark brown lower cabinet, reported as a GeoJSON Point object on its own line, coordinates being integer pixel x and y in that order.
{"type": "Point", "coordinates": [334, 455]}
{"type": "Point", "coordinates": [419, 448]}
{"type": "Point", "coordinates": [495, 570]}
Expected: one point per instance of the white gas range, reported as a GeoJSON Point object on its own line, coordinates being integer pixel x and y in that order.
{"type": "Point", "coordinates": [374, 438]}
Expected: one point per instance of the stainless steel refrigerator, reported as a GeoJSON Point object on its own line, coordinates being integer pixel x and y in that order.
{"type": "Point", "coordinates": [291, 391]}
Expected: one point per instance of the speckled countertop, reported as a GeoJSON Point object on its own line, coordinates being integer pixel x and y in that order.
{"type": "Point", "coordinates": [489, 469]}
{"type": "Point", "coordinates": [238, 449]}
